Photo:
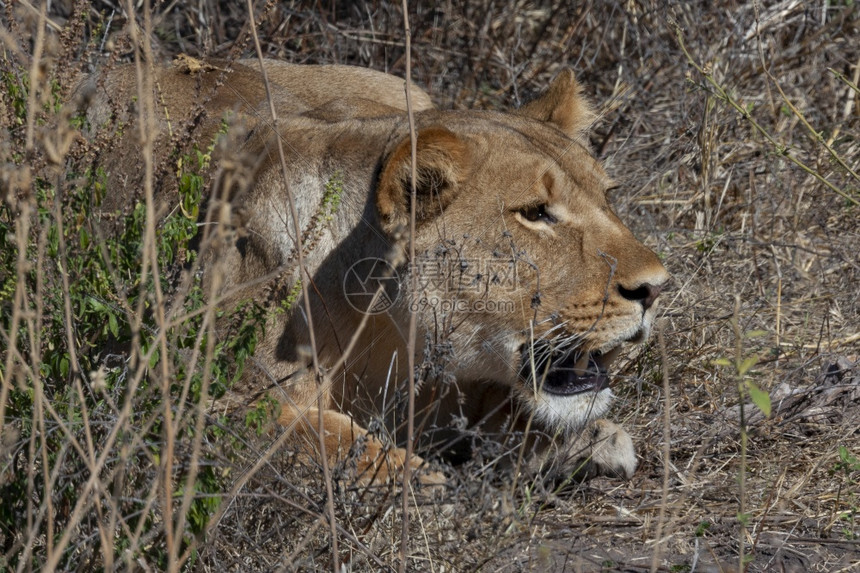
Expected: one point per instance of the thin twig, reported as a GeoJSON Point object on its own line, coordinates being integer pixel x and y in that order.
{"type": "Point", "coordinates": [667, 450]}
{"type": "Point", "coordinates": [35, 78]}
{"type": "Point", "coordinates": [736, 326]}
{"type": "Point", "coordinates": [303, 272]}
{"type": "Point", "coordinates": [148, 131]}
{"type": "Point", "coordinates": [54, 26]}
{"type": "Point", "coordinates": [413, 278]}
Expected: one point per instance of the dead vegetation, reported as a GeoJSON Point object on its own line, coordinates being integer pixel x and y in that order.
{"type": "Point", "coordinates": [733, 131]}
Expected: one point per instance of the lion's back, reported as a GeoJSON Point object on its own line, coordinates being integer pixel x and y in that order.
{"type": "Point", "coordinates": [316, 86]}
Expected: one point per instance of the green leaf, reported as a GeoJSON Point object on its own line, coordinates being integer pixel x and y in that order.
{"type": "Point", "coordinates": [747, 364]}
{"type": "Point", "coordinates": [849, 461]}
{"type": "Point", "coordinates": [112, 324]}
{"type": "Point", "coordinates": [153, 360]}
{"type": "Point", "coordinates": [721, 362]}
{"type": "Point", "coordinates": [756, 333]}
{"type": "Point", "coordinates": [759, 397]}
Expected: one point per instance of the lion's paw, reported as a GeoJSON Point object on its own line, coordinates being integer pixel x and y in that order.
{"type": "Point", "coordinates": [600, 449]}
{"type": "Point", "coordinates": [612, 451]}
{"type": "Point", "coordinates": [378, 464]}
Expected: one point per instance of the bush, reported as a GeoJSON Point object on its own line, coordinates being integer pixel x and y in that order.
{"type": "Point", "coordinates": [111, 354]}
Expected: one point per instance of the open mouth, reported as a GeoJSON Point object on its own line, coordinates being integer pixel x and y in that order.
{"type": "Point", "coordinates": [569, 373]}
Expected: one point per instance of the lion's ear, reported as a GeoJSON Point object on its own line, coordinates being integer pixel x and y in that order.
{"type": "Point", "coordinates": [442, 164]}
{"type": "Point", "coordinates": [562, 105]}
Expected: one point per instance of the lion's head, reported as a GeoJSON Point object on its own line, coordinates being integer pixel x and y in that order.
{"type": "Point", "coordinates": [523, 267]}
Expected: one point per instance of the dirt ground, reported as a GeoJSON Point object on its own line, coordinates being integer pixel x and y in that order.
{"type": "Point", "coordinates": [733, 131]}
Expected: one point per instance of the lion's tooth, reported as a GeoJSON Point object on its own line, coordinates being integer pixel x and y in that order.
{"type": "Point", "coordinates": [606, 359]}
{"type": "Point", "coordinates": [581, 366]}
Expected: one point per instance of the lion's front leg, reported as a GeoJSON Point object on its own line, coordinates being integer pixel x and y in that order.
{"type": "Point", "coordinates": [345, 441]}
{"type": "Point", "coordinates": [602, 448]}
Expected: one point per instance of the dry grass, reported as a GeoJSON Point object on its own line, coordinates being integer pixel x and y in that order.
{"type": "Point", "coordinates": [733, 130]}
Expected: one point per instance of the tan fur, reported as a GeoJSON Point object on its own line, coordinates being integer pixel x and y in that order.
{"type": "Point", "coordinates": [575, 279]}
{"type": "Point", "coordinates": [317, 85]}
{"type": "Point", "coordinates": [562, 106]}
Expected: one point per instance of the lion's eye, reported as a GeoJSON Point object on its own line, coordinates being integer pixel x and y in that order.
{"type": "Point", "coordinates": [535, 213]}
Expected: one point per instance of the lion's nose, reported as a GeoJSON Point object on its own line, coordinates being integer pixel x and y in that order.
{"type": "Point", "coordinates": [645, 294]}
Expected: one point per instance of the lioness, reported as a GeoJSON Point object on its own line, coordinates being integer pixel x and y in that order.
{"type": "Point", "coordinates": [526, 284]}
